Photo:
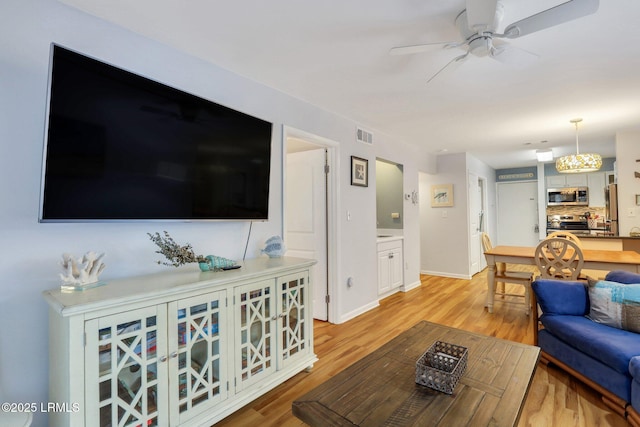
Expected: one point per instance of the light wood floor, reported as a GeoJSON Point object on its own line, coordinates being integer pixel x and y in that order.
{"type": "Point", "coordinates": [555, 399]}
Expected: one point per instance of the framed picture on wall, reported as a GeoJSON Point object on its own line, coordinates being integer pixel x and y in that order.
{"type": "Point", "coordinates": [441, 195]}
{"type": "Point", "coordinates": [359, 171]}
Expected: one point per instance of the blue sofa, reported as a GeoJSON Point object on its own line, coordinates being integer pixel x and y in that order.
{"type": "Point", "coordinates": [607, 358]}
{"type": "Point", "coordinates": [633, 411]}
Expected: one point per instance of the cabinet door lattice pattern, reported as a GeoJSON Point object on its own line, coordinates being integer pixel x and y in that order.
{"type": "Point", "coordinates": [292, 315]}
{"type": "Point", "coordinates": [199, 345]}
{"type": "Point", "coordinates": [127, 369]}
{"type": "Point", "coordinates": [255, 333]}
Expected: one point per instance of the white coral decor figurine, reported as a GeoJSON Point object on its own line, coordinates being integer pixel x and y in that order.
{"type": "Point", "coordinates": [81, 272]}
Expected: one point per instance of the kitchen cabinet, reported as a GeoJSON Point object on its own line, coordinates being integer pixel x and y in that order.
{"type": "Point", "coordinates": [183, 348]}
{"type": "Point", "coordinates": [390, 262]}
{"type": "Point", "coordinates": [568, 180]}
{"type": "Point", "coordinates": [596, 182]}
{"type": "Point", "coordinates": [556, 181]}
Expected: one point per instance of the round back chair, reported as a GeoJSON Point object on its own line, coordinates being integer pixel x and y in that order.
{"type": "Point", "coordinates": [559, 258]}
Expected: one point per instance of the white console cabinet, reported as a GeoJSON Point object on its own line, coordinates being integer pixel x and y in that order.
{"type": "Point", "coordinates": [180, 348]}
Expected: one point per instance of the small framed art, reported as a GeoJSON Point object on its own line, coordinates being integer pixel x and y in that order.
{"type": "Point", "coordinates": [359, 171]}
{"type": "Point", "coordinates": [441, 195]}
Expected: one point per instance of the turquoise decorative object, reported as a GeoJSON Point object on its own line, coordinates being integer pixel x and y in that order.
{"type": "Point", "coordinates": [274, 247]}
{"type": "Point", "coordinates": [215, 263]}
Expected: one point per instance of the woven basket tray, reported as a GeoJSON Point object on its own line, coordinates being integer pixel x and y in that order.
{"type": "Point", "coordinates": [441, 367]}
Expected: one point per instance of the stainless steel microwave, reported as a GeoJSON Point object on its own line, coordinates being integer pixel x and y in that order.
{"type": "Point", "coordinates": [570, 196]}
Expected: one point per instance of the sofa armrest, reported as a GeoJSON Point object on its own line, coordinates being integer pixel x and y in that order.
{"type": "Point", "coordinates": [634, 368]}
{"type": "Point", "coordinates": [561, 297]}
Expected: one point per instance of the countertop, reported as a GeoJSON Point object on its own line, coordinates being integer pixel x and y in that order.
{"type": "Point", "coordinates": [388, 238]}
{"type": "Point", "coordinates": [609, 237]}
{"type": "Point", "coordinates": [625, 243]}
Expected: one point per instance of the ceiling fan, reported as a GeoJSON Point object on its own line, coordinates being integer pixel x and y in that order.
{"type": "Point", "coordinates": [478, 25]}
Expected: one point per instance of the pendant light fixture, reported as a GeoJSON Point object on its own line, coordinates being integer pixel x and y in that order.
{"type": "Point", "coordinates": [578, 163]}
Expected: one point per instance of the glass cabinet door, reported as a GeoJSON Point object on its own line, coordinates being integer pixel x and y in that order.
{"type": "Point", "coordinates": [195, 355]}
{"type": "Point", "coordinates": [255, 318]}
{"type": "Point", "coordinates": [125, 373]}
{"type": "Point", "coordinates": [292, 328]}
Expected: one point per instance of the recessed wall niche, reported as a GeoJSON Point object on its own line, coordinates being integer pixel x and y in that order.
{"type": "Point", "coordinates": [389, 194]}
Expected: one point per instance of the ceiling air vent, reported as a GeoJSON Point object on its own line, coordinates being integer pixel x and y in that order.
{"type": "Point", "coordinates": [364, 136]}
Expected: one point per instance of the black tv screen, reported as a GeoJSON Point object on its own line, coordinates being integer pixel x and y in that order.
{"type": "Point", "coordinates": [119, 146]}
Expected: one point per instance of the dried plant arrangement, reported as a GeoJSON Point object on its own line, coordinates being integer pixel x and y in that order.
{"type": "Point", "coordinates": [176, 254]}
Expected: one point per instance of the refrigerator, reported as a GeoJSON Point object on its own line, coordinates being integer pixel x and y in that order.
{"type": "Point", "coordinates": [611, 205]}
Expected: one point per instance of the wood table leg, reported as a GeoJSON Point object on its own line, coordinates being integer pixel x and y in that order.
{"type": "Point", "coordinates": [491, 283]}
{"type": "Point", "coordinates": [535, 320]}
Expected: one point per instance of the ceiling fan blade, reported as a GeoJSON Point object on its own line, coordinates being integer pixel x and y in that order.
{"type": "Point", "coordinates": [419, 48]}
{"type": "Point", "coordinates": [456, 60]}
{"type": "Point", "coordinates": [481, 14]}
{"type": "Point", "coordinates": [564, 12]}
{"type": "Point", "coordinates": [513, 56]}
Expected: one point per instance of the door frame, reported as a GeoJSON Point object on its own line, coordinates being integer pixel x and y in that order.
{"type": "Point", "coordinates": [477, 182]}
{"type": "Point", "coordinates": [332, 198]}
{"type": "Point", "coordinates": [484, 225]}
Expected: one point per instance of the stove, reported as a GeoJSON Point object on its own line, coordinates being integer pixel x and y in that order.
{"type": "Point", "coordinates": [576, 224]}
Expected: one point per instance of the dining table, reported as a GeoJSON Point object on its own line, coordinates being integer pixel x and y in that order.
{"type": "Point", "coordinates": [594, 259]}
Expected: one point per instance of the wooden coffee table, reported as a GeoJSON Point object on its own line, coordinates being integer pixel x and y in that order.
{"type": "Point", "coordinates": [380, 389]}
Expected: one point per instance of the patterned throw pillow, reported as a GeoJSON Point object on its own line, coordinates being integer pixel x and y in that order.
{"type": "Point", "coordinates": [615, 304]}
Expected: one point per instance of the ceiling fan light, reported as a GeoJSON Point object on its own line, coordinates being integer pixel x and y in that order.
{"type": "Point", "coordinates": [579, 163]}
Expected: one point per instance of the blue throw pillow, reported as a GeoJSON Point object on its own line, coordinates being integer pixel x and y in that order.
{"type": "Point", "coordinates": [561, 297]}
{"type": "Point", "coordinates": [621, 276]}
{"type": "Point", "coordinates": [615, 304]}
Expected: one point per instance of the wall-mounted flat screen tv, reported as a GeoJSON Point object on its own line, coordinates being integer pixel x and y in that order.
{"type": "Point", "coordinates": [121, 147]}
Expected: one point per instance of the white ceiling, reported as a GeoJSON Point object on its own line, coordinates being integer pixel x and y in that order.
{"type": "Point", "coordinates": [335, 54]}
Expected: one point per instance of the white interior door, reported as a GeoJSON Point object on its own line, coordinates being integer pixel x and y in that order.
{"type": "Point", "coordinates": [517, 213]}
{"type": "Point", "coordinates": [306, 219]}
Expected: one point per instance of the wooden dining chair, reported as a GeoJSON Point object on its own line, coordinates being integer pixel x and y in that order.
{"type": "Point", "coordinates": [559, 258]}
{"type": "Point", "coordinates": [504, 275]}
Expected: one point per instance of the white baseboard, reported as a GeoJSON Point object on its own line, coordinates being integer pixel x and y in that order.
{"type": "Point", "coordinates": [443, 274]}
{"type": "Point", "coordinates": [358, 311]}
{"type": "Point", "coordinates": [406, 288]}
